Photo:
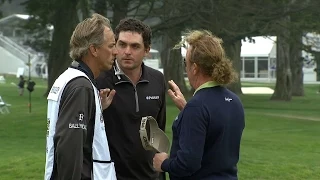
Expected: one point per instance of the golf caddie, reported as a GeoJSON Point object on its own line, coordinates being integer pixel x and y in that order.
{"type": "Point", "coordinates": [77, 146]}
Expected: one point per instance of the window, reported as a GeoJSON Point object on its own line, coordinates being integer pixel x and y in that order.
{"type": "Point", "coordinates": [248, 58]}
{"type": "Point", "coordinates": [263, 68]}
{"type": "Point", "coordinates": [249, 68]}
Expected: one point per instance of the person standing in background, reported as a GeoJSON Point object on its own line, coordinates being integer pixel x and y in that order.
{"type": "Point", "coordinates": [21, 85]}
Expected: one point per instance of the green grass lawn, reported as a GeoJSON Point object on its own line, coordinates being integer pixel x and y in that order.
{"type": "Point", "coordinates": [281, 139]}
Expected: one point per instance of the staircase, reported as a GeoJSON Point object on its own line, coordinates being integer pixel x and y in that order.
{"type": "Point", "coordinates": [14, 48]}
{"type": "Point", "coordinates": [19, 52]}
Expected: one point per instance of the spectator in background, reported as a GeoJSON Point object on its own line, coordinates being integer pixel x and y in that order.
{"type": "Point", "coordinates": [21, 85]}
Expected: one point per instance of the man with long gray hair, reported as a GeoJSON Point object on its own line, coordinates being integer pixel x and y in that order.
{"type": "Point", "coordinates": [77, 146]}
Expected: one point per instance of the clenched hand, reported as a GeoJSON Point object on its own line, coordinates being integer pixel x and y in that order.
{"type": "Point", "coordinates": [158, 160]}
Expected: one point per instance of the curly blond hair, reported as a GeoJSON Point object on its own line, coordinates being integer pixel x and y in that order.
{"type": "Point", "coordinates": [207, 52]}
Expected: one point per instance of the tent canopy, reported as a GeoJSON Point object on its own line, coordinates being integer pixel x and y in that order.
{"type": "Point", "coordinates": [261, 47]}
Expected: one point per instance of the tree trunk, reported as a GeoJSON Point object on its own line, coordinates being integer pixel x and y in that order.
{"type": "Point", "coordinates": [284, 76]}
{"type": "Point", "coordinates": [100, 7]}
{"type": "Point", "coordinates": [233, 52]}
{"type": "Point", "coordinates": [84, 9]}
{"type": "Point", "coordinates": [120, 9]}
{"type": "Point", "coordinates": [296, 65]}
{"type": "Point", "coordinates": [65, 20]}
{"type": "Point", "coordinates": [317, 69]}
{"type": "Point", "coordinates": [173, 67]}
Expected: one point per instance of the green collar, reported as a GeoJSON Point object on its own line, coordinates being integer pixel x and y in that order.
{"type": "Point", "coordinates": [206, 85]}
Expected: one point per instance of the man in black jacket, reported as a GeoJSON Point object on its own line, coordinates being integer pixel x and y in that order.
{"type": "Point", "coordinates": [140, 92]}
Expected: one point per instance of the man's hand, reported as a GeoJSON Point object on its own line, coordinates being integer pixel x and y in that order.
{"type": "Point", "coordinates": [176, 95]}
{"type": "Point", "coordinates": [158, 159]}
{"type": "Point", "coordinates": [106, 96]}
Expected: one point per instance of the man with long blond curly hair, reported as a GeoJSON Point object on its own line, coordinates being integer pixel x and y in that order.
{"type": "Point", "coordinates": [207, 132]}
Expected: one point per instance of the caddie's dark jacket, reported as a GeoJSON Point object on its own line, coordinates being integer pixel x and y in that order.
{"type": "Point", "coordinates": [77, 98]}
{"type": "Point", "coordinates": [123, 117]}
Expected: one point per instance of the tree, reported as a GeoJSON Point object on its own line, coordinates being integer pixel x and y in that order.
{"type": "Point", "coordinates": [64, 21]}
{"type": "Point", "coordinates": [84, 8]}
{"type": "Point", "coordinates": [1, 3]}
{"type": "Point", "coordinates": [235, 50]}
{"type": "Point", "coordinates": [290, 30]}
{"type": "Point", "coordinates": [229, 20]}
{"type": "Point", "coordinates": [39, 25]}
{"type": "Point", "coordinates": [63, 16]}
{"type": "Point", "coordinates": [120, 10]}
{"type": "Point", "coordinates": [171, 32]}
{"type": "Point", "coordinates": [100, 7]}
{"type": "Point", "coordinates": [283, 89]}
{"type": "Point", "coordinates": [301, 24]}
{"type": "Point", "coordinates": [317, 70]}
{"type": "Point", "coordinates": [172, 60]}
{"type": "Point", "coordinates": [209, 15]}
{"type": "Point", "coordinates": [296, 63]}
{"type": "Point", "coordinates": [284, 76]}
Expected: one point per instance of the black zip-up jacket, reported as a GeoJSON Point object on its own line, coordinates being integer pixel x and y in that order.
{"type": "Point", "coordinates": [73, 146]}
{"type": "Point", "coordinates": [123, 117]}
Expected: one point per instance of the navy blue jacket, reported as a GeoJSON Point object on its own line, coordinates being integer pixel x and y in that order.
{"type": "Point", "coordinates": [206, 137]}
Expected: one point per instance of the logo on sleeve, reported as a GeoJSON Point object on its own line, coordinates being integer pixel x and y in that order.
{"type": "Point", "coordinates": [81, 115]}
{"type": "Point", "coordinates": [80, 124]}
{"type": "Point", "coordinates": [54, 89]}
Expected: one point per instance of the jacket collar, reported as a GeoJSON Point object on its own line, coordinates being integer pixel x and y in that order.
{"type": "Point", "coordinates": [121, 76]}
{"type": "Point", "coordinates": [81, 66]}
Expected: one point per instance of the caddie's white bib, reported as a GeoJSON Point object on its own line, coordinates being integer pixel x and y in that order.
{"type": "Point", "coordinates": [103, 167]}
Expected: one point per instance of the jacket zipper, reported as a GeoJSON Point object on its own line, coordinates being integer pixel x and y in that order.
{"type": "Point", "coordinates": [136, 97]}
{"type": "Point", "coordinates": [136, 94]}
{"type": "Point", "coordinates": [135, 91]}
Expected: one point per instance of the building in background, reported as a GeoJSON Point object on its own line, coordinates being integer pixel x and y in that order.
{"type": "Point", "coordinates": [14, 53]}
{"type": "Point", "coordinates": [12, 7]}
{"type": "Point", "coordinates": [153, 60]}
{"type": "Point", "coordinates": [258, 60]}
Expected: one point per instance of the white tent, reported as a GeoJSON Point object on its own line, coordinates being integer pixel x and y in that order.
{"type": "Point", "coordinates": [265, 47]}
{"type": "Point", "coordinates": [257, 58]}
{"type": "Point", "coordinates": [261, 47]}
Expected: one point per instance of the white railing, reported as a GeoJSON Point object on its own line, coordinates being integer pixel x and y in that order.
{"type": "Point", "coordinates": [15, 48]}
